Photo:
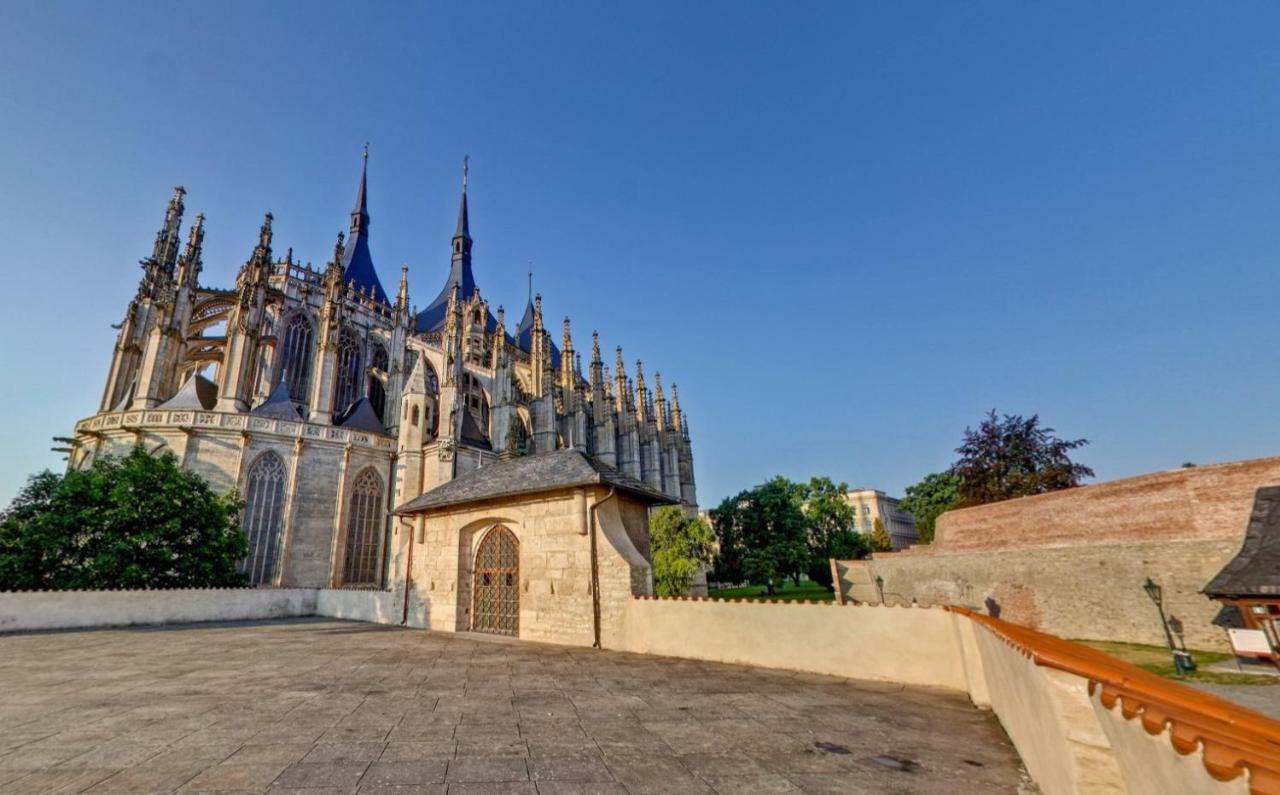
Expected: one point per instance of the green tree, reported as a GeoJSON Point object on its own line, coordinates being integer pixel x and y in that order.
{"type": "Point", "coordinates": [762, 535]}
{"type": "Point", "coordinates": [134, 522]}
{"type": "Point", "coordinates": [930, 498]}
{"type": "Point", "coordinates": [832, 526]}
{"type": "Point", "coordinates": [680, 545]}
{"type": "Point", "coordinates": [880, 540]}
{"type": "Point", "coordinates": [1012, 456]}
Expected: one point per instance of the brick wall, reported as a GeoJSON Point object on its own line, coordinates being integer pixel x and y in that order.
{"type": "Point", "coordinates": [1194, 503]}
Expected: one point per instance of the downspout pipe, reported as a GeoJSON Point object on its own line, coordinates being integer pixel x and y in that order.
{"type": "Point", "coordinates": [408, 574]}
{"type": "Point", "coordinates": [595, 566]}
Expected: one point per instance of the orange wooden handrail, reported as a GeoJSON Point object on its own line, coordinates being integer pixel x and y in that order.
{"type": "Point", "coordinates": [1234, 738]}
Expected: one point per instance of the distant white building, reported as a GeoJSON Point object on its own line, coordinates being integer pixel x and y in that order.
{"type": "Point", "coordinates": [871, 504]}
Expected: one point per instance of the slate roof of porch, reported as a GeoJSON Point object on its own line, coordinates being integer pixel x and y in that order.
{"type": "Point", "coordinates": [558, 469]}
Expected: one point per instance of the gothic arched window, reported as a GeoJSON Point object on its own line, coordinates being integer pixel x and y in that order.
{"type": "Point", "coordinates": [433, 381]}
{"type": "Point", "coordinates": [295, 352]}
{"type": "Point", "coordinates": [263, 518]}
{"type": "Point", "coordinates": [364, 537]}
{"type": "Point", "coordinates": [350, 369]}
{"type": "Point", "coordinates": [379, 360]}
{"type": "Point", "coordinates": [475, 400]}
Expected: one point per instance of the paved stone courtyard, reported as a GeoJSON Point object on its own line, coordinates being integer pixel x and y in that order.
{"type": "Point", "coordinates": [320, 706]}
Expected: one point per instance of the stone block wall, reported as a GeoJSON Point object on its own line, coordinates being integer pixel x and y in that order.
{"type": "Point", "coordinates": [1089, 592]}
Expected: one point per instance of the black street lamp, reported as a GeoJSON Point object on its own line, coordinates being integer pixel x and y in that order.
{"type": "Point", "coordinates": [1182, 662]}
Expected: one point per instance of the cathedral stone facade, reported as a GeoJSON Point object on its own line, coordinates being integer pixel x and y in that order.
{"type": "Point", "coordinates": [328, 403]}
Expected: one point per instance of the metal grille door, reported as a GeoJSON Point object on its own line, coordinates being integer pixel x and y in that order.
{"type": "Point", "coordinates": [496, 606]}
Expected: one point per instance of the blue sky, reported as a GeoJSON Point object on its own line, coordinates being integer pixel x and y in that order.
{"type": "Point", "coordinates": [845, 230]}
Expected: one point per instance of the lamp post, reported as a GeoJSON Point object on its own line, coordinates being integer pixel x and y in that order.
{"type": "Point", "coordinates": [1182, 662]}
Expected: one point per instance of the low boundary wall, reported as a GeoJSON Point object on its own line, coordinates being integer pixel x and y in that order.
{"type": "Point", "coordinates": [24, 611]}
{"type": "Point", "coordinates": [36, 610]}
{"type": "Point", "coordinates": [893, 644]}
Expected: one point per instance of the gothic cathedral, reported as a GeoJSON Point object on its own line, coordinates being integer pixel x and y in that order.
{"type": "Point", "coordinates": [328, 403]}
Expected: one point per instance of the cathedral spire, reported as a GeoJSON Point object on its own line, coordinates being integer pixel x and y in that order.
{"type": "Point", "coordinates": [434, 316]}
{"type": "Point", "coordinates": [360, 212]}
{"type": "Point", "coordinates": [464, 226]}
{"type": "Point", "coordinates": [357, 262]}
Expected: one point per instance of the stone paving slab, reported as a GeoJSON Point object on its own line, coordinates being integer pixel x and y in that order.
{"type": "Point", "coordinates": [340, 708]}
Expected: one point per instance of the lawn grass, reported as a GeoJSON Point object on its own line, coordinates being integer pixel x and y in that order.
{"type": "Point", "coordinates": [807, 591]}
{"type": "Point", "coordinates": [1158, 660]}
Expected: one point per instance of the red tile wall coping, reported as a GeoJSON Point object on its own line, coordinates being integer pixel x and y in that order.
{"type": "Point", "coordinates": [1201, 502]}
{"type": "Point", "coordinates": [1233, 738]}
{"type": "Point", "coordinates": [741, 600]}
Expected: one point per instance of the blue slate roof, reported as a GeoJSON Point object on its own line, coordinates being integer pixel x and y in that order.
{"type": "Point", "coordinates": [357, 262]}
{"type": "Point", "coordinates": [524, 336]}
{"type": "Point", "coordinates": [360, 416]}
{"type": "Point", "coordinates": [278, 404]}
{"type": "Point", "coordinates": [432, 318]}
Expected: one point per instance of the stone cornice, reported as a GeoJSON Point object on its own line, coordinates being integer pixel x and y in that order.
{"type": "Point", "coordinates": [189, 421]}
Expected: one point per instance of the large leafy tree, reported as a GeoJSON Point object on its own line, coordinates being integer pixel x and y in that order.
{"type": "Point", "coordinates": [763, 535]}
{"type": "Point", "coordinates": [832, 527]}
{"type": "Point", "coordinates": [927, 500]}
{"type": "Point", "coordinates": [1012, 456]}
{"type": "Point", "coordinates": [134, 522]}
{"type": "Point", "coordinates": [681, 545]}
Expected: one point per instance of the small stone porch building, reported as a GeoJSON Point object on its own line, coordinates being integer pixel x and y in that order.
{"type": "Point", "coordinates": [1250, 582]}
{"type": "Point", "coordinates": [545, 547]}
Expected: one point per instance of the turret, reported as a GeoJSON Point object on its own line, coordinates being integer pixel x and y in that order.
{"type": "Point", "coordinates": [324, 382]}
{"type": "Point", "coordinates": [191, 262]}
{"type": "Point", "coordinates": [604, 430]}
{"type": "Point", "coordinates": [155, 286]}
{"type": "Point", "coordinates": [244, 326]}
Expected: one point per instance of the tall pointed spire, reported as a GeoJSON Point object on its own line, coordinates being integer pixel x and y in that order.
{"type": "Point", "coordinates": [433, 317]}
{"type": "Point", "coordinates": [464, 225]}
{"type": "Point", "coordinates": [357, 264]}
{"type": "Point", "coordinates": [360, 212]}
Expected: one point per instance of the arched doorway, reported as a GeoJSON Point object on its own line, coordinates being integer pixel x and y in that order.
{"type": "Point", "coordinates": [495, 605]}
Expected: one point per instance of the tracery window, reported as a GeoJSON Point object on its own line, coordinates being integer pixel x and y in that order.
{"type": "Point", "coordinates": [296, 356]}
{"type": "Point", "coordinates": [350, 369]}
{"type": "Point", "coordinates": [433, 381]}
{"type": "Point", "coordinates": [263, 518]}
{"type": "Point", "coordinates": [364, 520]}
{"type": "Point", "coordinates": [379, 360]}
{"type": "Point", "coordinates": [475, 400]}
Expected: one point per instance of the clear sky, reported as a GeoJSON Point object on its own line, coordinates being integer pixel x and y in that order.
{"type": "Point", "coordinates": [845, 230]}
